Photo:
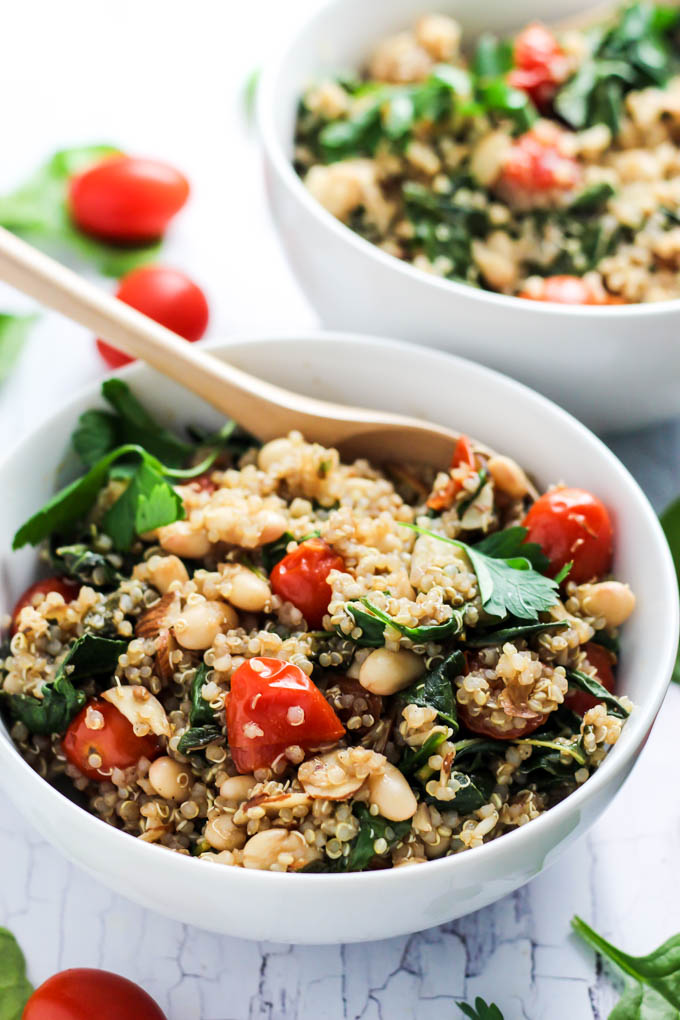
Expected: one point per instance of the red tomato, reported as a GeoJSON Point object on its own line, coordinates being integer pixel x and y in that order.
{"type": "Point", "coordinates": [537, 163]}
{"type": "Point", "coordinates": [83, 993]}
{"type": "Point", "coordinates": [540, 64]}
{"type": "Point", "coordinates": [273, 705]}
{"type": "Point", "coordinates": [572, 525]}
{"type": "Point", "coordinates": [484, 726]}
{"type": "Point", "coordinates": [69, 590]}
{"type": "Point", "coordinates": [300, 578]}
{"type": "Point", "coordinates": [602, 661]}
{"type": "Point", "coordinates": [116, 742]}
{"type": "Point", "coordinates": [463, 454]}
{"type": "Point", "coordinates": [126, 199]}
{"type": "Point", "coordinates": [569, 290]}
{"type": "Point", "coordinates": [168, 297]}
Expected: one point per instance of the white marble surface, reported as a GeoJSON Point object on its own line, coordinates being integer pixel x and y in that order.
{"type": "Point", "coordinates": [163, 78]}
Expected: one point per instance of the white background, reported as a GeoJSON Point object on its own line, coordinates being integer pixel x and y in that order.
{"type": "Point", "coordinates": [165, 78]}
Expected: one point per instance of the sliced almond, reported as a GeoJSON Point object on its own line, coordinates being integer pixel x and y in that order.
{"type": "Point", "coordinates": [140, 707]}
{"type": "Point", "coordinates": [160, 616]}
{"type": "Point", "coordinates": [278, 801]}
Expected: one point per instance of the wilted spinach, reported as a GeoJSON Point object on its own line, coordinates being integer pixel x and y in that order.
{"type": "Point", "coordinates": [362, 848]}
{"type": "Point", "coordinates": [373, 622]}
{"type": "Point", "coordinates": [583, 682]}
{"type": "Point", "coordinates": [435, 690]}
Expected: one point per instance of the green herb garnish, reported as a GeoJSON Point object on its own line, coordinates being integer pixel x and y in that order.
{"type": "Point", "coordinates": [14, 330]}
{"type": "Point", "coordinates": [15, 988]}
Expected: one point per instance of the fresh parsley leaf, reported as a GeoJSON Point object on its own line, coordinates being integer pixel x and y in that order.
{"type": "Point", "coordinates": [95, 436]}
{"type": "Point", "coordinates": [148, 502]}
{"type": "Point", "coordinates": [659, 971]}
{"type": "Point", "coordinates": [198, 737]}
{"type": "Point", "coordinates": [481, 1010]}
{"type": "Point", "coordinates": [374, 621]}
{"type": "Point", "coordinates": [670, 522]}
{"type": "Point", "coordinates": [38, 210]}
{"type": "Point", "coordinates": [507, 586]}
{"type": "Point", "coordinates": [201, 713]}
{"type": "Point", "coordinates": [511, 542]}
{"type": "Point", "coordinates": [583, 682]}
{"type": "Point", "coordinates": [15, 988]}
{"type": "Point", "coordinates": [136, 425]}
{"type": "Point", "coordinates": [14, 330]}
{"type": "Point", "coordinates": [519, 632]}
{"type": "Point", "coordinates": [435, 690]}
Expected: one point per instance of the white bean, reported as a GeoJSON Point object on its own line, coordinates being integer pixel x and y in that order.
{"type": "Point", "coordinates": [184, 540]}
{"type": "Point", "coordinates": [165, 570]}
{"type": "Point", "coordinates": [200, 622]}
{"type": "Point", "coordinates": [264, 849]}
{"type": "Point", "coordinates": [170, 779]}
{"type": "Point", "coordinates": [384, 672]}
{"type": "Point", "coordinates": [222, 834]}
{"type": "Point", "coordinates": [391, 794]}
{"type": "Point", "coordinates": [249, 591]}
{"type": "Point", "coordinates": [611, 600]}
{"type": "Point", "coordinates": [273, 453]}
{"type": "Point", "coordinates": [237, 787]}
{"type": "Point", "coordinates": [508, 476]}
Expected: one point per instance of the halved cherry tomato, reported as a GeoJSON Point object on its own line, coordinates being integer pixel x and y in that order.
{"type": "Point", "coordinates": [165, 295]}
{"type": "Point", "coordinates": [572, 525]}
{"type": "Point", "coordinates": [126, 199]}
{"type": "Point", "coordinates": [484, 726]}
{"type": "Point", "coordinates": [84, 993]}
{"type": "Point", "coordinates": [273, 705]}
{"type": "Point", "coordinates": [116, 743]}
{"type": "Point", "coordinates": [602, 661]}
{"type": "Point", "coordinates": [442, 498]}
{"type": "Point", "coordinates": [68, 589]}
{"type": "Point", "coordinates": [538, 163]}
{"type": "Point", "coordinates": [540, 64]}
{"type": "Point", "coordinates": [569, 290]}
{"type": "Point", "coordinates": [300, 578]}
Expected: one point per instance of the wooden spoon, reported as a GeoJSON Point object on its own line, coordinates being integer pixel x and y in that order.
{"type": "Point", "coordinates": [265, 410]}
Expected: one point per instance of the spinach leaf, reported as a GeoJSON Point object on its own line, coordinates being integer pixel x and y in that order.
{"type": "Point", "coordinates": [91, 656]}
{"type": "Point", "coordinates": [355, 135]}
{"type": "Point", "coordinates": [198, 737]}
{"type": "Point", "coordinates": [14, 330]}
{"type": "Point", "coordinates": [273, 552]}
{"type": "Point", "coordinates": [53, 712]}
{"type": "Point", "coordinates": [583, 682]}
{"type": "Point", "coordinates": [512, 633]}
{"type": "Point", "coordinates": [659, 970]}
{"type": "Point", "coordinates": [473, 791]}
{"type": "Point", "coordinates": [593, 199]}
{"type": "Point", "coordinates": [481, 1011]}
{"type": "Point", "coordinates": [608, 641]}
{"type": "Point", "coordinates": [670, 522]}
{"type": "Point", "coordinates": [362, 848]}
{"type": "Point", "coordinates": [38, 210]}
{"type": "Point", "coordinates": [435, 690]}
{"type": "Point", "coordinates": [493, 56]}
{"type": "Point", "coordinates": [201, 713]}
{"type": "Point", "coordinates": [467, 503]}
{"type": "Point", "coordinates": [15, 988]}
{"type": "Point", "coordinates": [445, 226]}
{"type": "Point", "coordinates": [412, 758]}
{"type": "Point", "coordinates": [499, 97]}
{"type": "Point", "coordinates": [374, 621]}
{"type": "Point", "coordinates": [148, 502]}
{"type": "Point", "coordinates": [508, 586]}
{"type": "Point", "coordinates": [72, 503]}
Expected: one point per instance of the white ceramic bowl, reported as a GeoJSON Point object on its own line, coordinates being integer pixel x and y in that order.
{"type": "Point", "coordinates": [614, 367]}
{"type": "Point", "coordinates": [334, 908]}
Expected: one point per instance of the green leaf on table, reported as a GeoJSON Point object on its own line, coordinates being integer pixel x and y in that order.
{"type": "Point", "coordinates": [38, 210]}
{"type": "Point", "coordinates": [508, 586]}
{"type": "Point", "coordinates": [373, 622]}
{"type": "Point", "coordinates": [435, 689]}
{"type": "Point", "coordinates": [481, 1010]}
{"type": "Point", "coordinates": [659, 972]}
{"type": "Point", "coordinates": [15, 988]}
{"type": "Point", "coordinates": [14, 330]}
{"type": "Point", "coordinates": [583, 682]}
{"type": "Point", "coordinates": [250, 93]}
{"type": "Point", "coordinates": [670, 522]}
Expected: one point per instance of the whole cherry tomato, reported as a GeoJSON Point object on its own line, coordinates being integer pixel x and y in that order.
{"type": "Point", "coordinates": [540, 64]}
{"type": "Point", "coordinates": [602, 661]}
{"type": "Point", "coordinates": [569, 290]}
{"type": "Point", "coordinates": [83, 993]}
{"type": "Point", "coordinates": [300, 578]}
{"type": "Point", "coordinates": [125, 199]}
{"type": "Point", "coordinates": [116, 744]}
{"type": "Point", "coordinates": [572, 525]}
{"type": "Point", "coordinates": [536, 163]}
{"type": "Point", "coordinates": [273, 705]}
{"type": "Point", "coordinates": [68, 589]}
{"type": "Point", "coordinates": [442, 498]}
{"type": "Point", "coordinates": [165, 295]}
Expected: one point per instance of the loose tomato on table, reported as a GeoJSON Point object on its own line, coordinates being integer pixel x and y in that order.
{"type": "Point", "coordinates": [540, 64]}
{"type": "Point", "coordinates": [68, 589]}
{"type": "Point", "coordinates": [602, 662]}
{"type": "Point", "coordinates": [572, 526]}
{"type": "Point", "coordinates": [126, 199]}
{"type": "Point", "coordinates": [83, 993]}
{"type": "Point", "coordinates": [537, 162]}
{"type": "Point", "coordinates": [569, 290]}
{"type": "Point", "coordinates": [273, 705]}
{"type": "Point", "coordinates": [463, 454]}
{"type": "Point", "coordinates": [115, 742]}
{"type": "Point", "coordinates": [300, 578]}
{"type": "Point", "coordinates": [166, 296]}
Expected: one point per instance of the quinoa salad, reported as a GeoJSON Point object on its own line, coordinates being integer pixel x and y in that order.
{"type": "Point", "coordinates": [544, 166]}
{"type": "Point", "coordinates": [267, 658]}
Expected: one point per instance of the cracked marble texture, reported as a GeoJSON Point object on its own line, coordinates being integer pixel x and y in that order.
{"type": "Point", "coordinates": [518, 952]}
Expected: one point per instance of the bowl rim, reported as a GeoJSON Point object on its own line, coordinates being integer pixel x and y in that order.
{"type": "Point", "coordinates": [274, 150]}
{"type": "Point", "coordinates": [614, 764]}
